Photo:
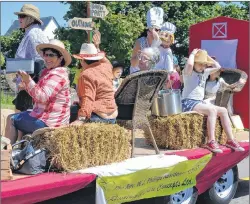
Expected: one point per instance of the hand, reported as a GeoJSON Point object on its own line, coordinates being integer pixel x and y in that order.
{"type": "Point", "coordinates": [194, 52]}
{"type": "Point", "coordinates": [21, 87]}
{"type": "Point", "coordinates": [77, 123]}
{"type": "Point", "coordinates": [25, 77]}
{"type": "Point", "coordinates": [97, 38]}
{"type": "Point", "coordinates": [155, 35]}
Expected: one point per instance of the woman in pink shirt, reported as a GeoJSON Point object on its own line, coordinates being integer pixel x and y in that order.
{"type": "Point", "coordinates": [51, 95]}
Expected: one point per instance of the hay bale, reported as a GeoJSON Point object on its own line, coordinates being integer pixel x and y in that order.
{"type": "Point", "coordinates": [182, 131]}
{"type": "Point", "coordinates": [77, 147]}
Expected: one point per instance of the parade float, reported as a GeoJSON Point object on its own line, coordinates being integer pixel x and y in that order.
{"type": "Point", "coordinates": [92, 164]}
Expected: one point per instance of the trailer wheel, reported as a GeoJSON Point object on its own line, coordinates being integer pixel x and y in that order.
{"type": "Point", "coordinates": [223, 190]}
{"type": "Point", "coordinates": [188, 196]}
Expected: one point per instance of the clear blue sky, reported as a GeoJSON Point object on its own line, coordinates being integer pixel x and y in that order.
{"type": "Point", "coordinates": [56, 9]}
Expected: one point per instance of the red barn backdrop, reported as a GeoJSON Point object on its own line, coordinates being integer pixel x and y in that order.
{"type": "Point", "coordinates": [229, 38]}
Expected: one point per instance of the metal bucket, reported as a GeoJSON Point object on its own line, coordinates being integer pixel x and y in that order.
{"type": "Point", "coordinates": [167, 103]}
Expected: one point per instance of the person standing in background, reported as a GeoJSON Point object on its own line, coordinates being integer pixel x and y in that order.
{"type": "Point", "coordinates": [117, 73]}
{"type": "Point", "coordinates": [154, 23]}
{"type": "Point", "coordinates": [30, 22]}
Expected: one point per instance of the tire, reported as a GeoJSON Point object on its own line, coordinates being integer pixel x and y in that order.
{"type": "Point", "coordinates": [223, 190]}
{"type": "Point", "coordinates": [188, 196]}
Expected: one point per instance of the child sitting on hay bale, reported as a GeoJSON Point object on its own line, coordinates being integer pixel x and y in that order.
{"type": "Point", "coordinates": [195, 75]}
{"type": "Point", "coordinates": [214, 84]}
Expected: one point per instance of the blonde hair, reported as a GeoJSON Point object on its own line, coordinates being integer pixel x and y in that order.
{"type": "Point", "coordinates": [165, 36]}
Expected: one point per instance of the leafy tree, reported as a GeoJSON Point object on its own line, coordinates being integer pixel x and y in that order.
{"type": "Point", "coordinates": [2, 59]}
{"type": "Point", "coordinates": [9, 44]}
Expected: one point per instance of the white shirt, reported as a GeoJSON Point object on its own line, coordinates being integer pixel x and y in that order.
{"type": "Point", "coordinates": [27, 48]}
{"type": "Point", "coordinates": [194, 84]}
{"type": "Point", "coordinates": [212, 87]}
{"type": "Point", "coordinates": [166, 60]}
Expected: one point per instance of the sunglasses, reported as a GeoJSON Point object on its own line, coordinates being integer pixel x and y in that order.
{"type": "Point", "coordinates": [50, 55]}
{"type": "Point", "coordinates": [157, 30]}
{"type": "Point", "coordinates": [21, 16]}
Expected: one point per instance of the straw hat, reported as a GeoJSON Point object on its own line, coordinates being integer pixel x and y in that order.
{"type": "Point", "coordinates": [30, 10]}
{"type": "Point", "coordinates": [88, 51]}
{"type": "Point", "coordinates": [203, 58]}
{"type": "Point", "coordinates": [155, 17]}
{"type": "Point", "coordinates": [57, 45]}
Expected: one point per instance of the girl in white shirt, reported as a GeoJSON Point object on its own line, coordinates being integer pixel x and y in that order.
{"type": "Point", "coordinates": [213, 85]}
{"type": "Point", "coordinates": [195, 75]}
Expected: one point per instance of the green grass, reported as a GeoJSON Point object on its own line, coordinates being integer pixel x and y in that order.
{"type": "Point", "coordinates": [6, 99]}
{"type": "Point", "coordinates": [6, 106]}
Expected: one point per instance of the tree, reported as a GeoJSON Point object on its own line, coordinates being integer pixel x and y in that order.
{"type": "Point", "coordinates": [2, 60]}
{"type": "Point", "coordinates": [126, 20]}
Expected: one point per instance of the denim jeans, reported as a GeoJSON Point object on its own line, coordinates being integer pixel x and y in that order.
{"type": "Point", "coordinates": [97, 119]}
{"type": "Point", "coordinates": [27, 124]}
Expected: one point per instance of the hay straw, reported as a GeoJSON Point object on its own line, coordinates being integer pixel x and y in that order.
{"type": "Point", "coordinates": [182, 131]}
{"type": "Point", "coordinates": [77, 147]}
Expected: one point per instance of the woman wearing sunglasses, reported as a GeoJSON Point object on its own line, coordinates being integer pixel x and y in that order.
{"type": "Point", "coordinates": [30, 23]}
{"type": "Point", "coordinates": [154, 23]}
{"type": "Point", "coordinates": [51, 94]}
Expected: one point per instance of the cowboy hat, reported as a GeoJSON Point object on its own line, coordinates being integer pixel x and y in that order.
{"type": "Point", "coordinates": [57, 45]}
{"type": "Point", "coordinates": [30, 10]}
{"type": "Point", "coordinates": [88, 51]}
{"type": "Point", "coordinates": [203, 58]}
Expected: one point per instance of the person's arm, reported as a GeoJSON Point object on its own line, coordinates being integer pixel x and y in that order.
{"type": "Point", "coordinates": [190, 63]}
{"type": "Point", "coordinates": [134, 59]}
{"type": "Point", "coordinates": [156, 39]}
{"type": "Point", "coordinates": [215, 68]}
{"type": "Point", "coordinates": [97, 39]}
{"type": "Point", "coordinates": [86, 94]}
{"type": "Point", "coordinates": [53, 84]}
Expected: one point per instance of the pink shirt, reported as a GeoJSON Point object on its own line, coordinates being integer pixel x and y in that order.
{"type": "Point", "coordinates": [51, 97]}
{"type": "Point", "coordinates": [175, 78]}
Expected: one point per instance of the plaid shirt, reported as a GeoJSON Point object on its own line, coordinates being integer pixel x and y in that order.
{"type": "Point", "coordinates": [51, 97]}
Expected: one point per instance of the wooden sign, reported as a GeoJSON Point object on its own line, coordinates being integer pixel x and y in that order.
{"type": "Point", "coordinates": [81, 23]}
{"type": "Point", "coordinates": [98, 10]}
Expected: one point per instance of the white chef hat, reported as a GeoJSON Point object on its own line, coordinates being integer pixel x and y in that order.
{"type": "Point", "coordinates": [168, 27]}
{"type": "Point", "coordinates": [155, 17]}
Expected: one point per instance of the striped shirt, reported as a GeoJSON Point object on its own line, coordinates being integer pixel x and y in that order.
{"type": "Point", "coordinates": [51, 97]}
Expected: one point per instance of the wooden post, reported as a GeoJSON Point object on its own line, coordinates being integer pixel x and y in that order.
{"type": "Point", "coordinates": [88, 16]}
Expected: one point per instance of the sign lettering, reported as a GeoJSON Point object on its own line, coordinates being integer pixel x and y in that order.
{"type": "Point", "coordinates": [98, 10]}
{"type": "Point", "coordinates": [152, 182]}
{"type": "Point", "coordinates": [81, 23]}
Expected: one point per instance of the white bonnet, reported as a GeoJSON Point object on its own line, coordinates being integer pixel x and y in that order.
{"type": "Point", "coordinates": [155, 17]}
{"type": "Point", "coordinates": [168, 27]}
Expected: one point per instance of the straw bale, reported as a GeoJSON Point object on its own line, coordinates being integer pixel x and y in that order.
{"type": "Point", "coordinates": [77, 147]}
{"type": "Point", "coordinates": [182, 131]}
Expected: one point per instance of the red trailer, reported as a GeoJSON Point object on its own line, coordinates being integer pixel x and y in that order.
{"type": "Point", "coordinates": [228, 40]}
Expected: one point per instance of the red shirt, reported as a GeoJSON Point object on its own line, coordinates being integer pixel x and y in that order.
{"type": "Point", "coordinates": [51, 96]}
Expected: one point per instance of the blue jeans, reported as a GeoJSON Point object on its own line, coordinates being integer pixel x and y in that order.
{"type": "Point", "coordinates": [97, 119]}
{"type": "Point", "coordinates": [27, 124]}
